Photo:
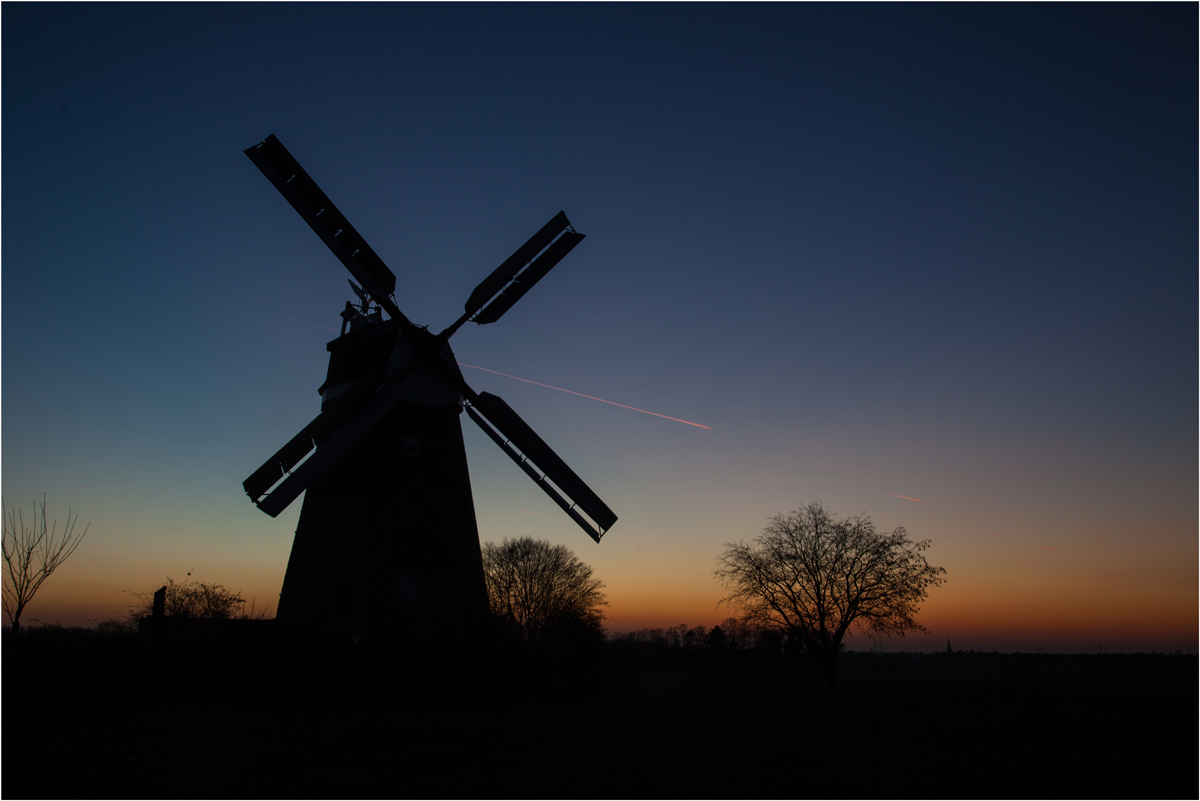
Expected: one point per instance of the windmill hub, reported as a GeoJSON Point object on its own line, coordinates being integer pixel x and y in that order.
{"type": "Point", "coordinates": [425, 368]}
{"type": "Point", "coordinates": [430, 372]}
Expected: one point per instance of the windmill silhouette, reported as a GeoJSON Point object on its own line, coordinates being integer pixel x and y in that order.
{"type": "Point", "coordinates": [387, 540]}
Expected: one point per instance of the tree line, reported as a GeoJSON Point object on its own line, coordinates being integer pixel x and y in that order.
{"type": "Point", "coordinates": [731, 634]}
{"type": "Point", "coordinates": [807, 581]}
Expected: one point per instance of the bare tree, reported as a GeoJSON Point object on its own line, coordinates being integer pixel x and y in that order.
{"type": "Point", "coordinates": [31, 554]}
{"type": "Point", "coordinates": [534, 586]}
{"type": "Point", "coordinates": [814, 578]}
{"type": "Point", "coordinates": [685, 636]}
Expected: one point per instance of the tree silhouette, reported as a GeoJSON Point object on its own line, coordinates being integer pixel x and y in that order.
{"type": "Point", "coordinates": [539, 590]}
{"type": "Point", "coordinates": [740, 634]}
{"type": "Point", "coordinates": [192, 599]}
{"type": "Point", "coordinates": [32, 554]}
{"type": "Point", "coordinates": [814, 577]}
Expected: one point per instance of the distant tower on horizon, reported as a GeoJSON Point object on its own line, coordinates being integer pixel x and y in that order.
{"type": "Point", "coordinates": [949, 650]}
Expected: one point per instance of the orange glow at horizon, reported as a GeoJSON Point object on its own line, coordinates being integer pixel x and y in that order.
{"type": "Point", "coordinates": [975, 624]}
{"type": "Point", "coordinates": [993, 612]}
{"type": "Point", "coordinates": [589, 397]}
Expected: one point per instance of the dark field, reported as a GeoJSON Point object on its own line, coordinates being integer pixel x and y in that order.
{"type": "Point", "coordinates": [121, 718]}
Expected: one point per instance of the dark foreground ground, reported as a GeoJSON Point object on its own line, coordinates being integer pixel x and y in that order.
{"type": "Point", "coordinates": [132, 719]}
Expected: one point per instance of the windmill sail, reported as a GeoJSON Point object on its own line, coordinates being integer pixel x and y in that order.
{"type": "Point", "coordinates": [302, 192]}
{"type": "Point", "coordinates": [339, 440]}
{"type": "Point", "coordinates": [314, 435]}
{"type": "Point", "coordinates": [525, 280]}
{"type": "Point", "coordinates": [509, 279]}
{"type": "Point", "coordinates": [541, 463]}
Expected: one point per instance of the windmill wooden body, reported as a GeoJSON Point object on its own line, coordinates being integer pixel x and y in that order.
{"type": "Point", "coordinates": [387, 541]}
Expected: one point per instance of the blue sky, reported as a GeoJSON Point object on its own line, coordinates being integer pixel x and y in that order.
{"type": "Point", "coordinates": [943, 252]}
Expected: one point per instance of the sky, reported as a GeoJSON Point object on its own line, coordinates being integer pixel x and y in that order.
{"type": "Point", "coordinates": [933, 264]}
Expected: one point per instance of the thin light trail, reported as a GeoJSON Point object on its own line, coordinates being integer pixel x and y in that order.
{"type": "Point", "coordinates": [580, 394]}
{"type": "Point", "coordinates": [547, 386]}
{"type": "Point", "coordinates": [314, 325]}
{"type": "Point", "coordinates": [905, 497]}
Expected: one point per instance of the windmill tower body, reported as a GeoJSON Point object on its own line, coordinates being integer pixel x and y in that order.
{"type": "Point", "coordinates": [387, 543]}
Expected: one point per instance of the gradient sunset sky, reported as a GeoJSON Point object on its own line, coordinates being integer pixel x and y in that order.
{"type": "Point", "coordinates": [934, 264]}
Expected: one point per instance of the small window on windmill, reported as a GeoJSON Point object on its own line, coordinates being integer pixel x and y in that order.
{"type": "Point", "coordinates": [412, 446]}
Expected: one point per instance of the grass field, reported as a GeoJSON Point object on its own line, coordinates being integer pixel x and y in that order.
{"type": "Point", "coordinates": [251, 721]}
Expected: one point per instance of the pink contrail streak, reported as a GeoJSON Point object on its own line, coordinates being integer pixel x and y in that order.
{"type": "Point", "coordinates": [905, 497]}
{"type": "Point", "coordinates": [580, 394]}
{"type": "Point", "coordinates": [314, 325]}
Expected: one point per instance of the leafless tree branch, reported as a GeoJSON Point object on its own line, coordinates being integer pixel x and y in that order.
{"type": "Point", "coordinates": [32, 553]}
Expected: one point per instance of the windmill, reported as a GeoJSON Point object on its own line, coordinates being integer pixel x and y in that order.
{"type": "Point", "coordinates": [387, 538]}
